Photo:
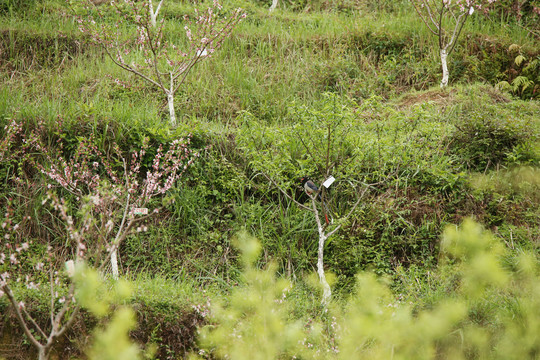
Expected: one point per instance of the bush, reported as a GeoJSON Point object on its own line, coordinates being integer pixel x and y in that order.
{"type": "Point", "coordinates": [485, 306]}
{"type": "Point", "coordinates": [483, 139]}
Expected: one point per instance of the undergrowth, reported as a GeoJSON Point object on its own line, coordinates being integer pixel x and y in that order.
{"type": "Point", "coordinates": [445, 155]}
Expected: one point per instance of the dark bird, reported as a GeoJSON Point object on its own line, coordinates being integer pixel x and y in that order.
{"type": "Point", "coordinates": [312, 189]}
{"type": "Point", "coordinates": [309, 186]}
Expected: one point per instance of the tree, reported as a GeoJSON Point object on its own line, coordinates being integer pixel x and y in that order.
{"type": "Point", "coordinates": [321, 145]}
{"type": "Point", "coordinates": [109, 193]}
{"type": "Point", "coordinates": [122, 187]}
{"type": "Point", "coordinates": [64, 302]}
{"type": "Point", "coordinates": [136, 29]}
{"type": "Point", "coordinates": [445, 19]}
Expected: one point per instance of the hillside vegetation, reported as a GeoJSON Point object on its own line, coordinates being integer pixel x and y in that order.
{"type": "Point", "coordinates": [438, 259]}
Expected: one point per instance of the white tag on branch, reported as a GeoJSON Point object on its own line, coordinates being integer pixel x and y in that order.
{"type": "Point", "coordinates": [329, 182]}
{"type": "Point", "coordinates": [202, 53]}
{"type": "Point", "coordinates": [140, 211]}
{"type": "Point", "coordinates": [70, 268]}
{"type": "Point", "coordinates": [471, 10]}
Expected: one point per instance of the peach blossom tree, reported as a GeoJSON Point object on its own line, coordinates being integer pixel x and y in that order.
{"type": "Point", "coordinates": [445, 19]}
{"type": "Point", "coordinates": [164, 64]}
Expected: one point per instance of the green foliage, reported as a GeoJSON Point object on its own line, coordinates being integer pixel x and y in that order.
{"type": "Point", "coordinates": [12, 7]}
{"type": "Point", "coordinates": [483, 139]}
{"type": "Point", "coordinates": [487, 306]}
{"type": "Point", "coordinates": [347, 6]}
{"type": "Point", "coordinates": [318, 138]}
{"type": "Point", "coordinates": [523, 12]}
{"type": "Point", "coordinates": [111, 342]}
{"type": "Point", "coordinates": [254, 323]}
{"type": "Point", "coordinates": [527, 83]}
{"type": "Point", "coordinates": [94, 294]}
{"type": "Point", "coordinates": [248, 108]}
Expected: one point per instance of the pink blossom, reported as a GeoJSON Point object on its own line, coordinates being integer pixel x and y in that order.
{"type": "Point", "coordinates": [32, 286]}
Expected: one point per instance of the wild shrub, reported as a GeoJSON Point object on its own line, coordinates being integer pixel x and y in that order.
{"type": "Point", "coordinates": [483, 139]}
{"type": "Point", "coordinates": [485, 304]}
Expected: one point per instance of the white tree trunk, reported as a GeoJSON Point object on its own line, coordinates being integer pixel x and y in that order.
{"type": "Point", "coordinates": [274, 5]}
{"type": "Point", "coordinates": [327, 292]}
{"type": "Point", "coordinates": [444, 81]}
{"type": "Point", "coordinates": [44, 352]}
{"type": "Point", "coordinates": [114, 264]}
{"type": "Point", "coordinates": [172, 114]}
{"type": "Point", "coordinates": [154, 14]}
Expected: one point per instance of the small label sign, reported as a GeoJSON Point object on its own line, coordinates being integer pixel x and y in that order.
{"type": "Point", "coordinates": [140, 211]}
{"type": "Point", "coordinates": [329, 182]}
{"type": "Point", "coordinates": [70, 268]}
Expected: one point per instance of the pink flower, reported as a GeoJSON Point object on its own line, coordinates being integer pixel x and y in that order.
{"type": "Point", "coordinates": [32, 286]}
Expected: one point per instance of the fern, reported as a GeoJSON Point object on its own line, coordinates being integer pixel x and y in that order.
{"type": "Point", "coordinates": [521, 83]}
{"type": "Point", "coordinates": [504, 86]}
{"type": "Point", "coordinates": [519, 59]}
{"type": "Point", "coordinates": [532, 65]}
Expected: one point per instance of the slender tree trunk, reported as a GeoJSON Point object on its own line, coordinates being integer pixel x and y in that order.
{"type": "Point", "coordinates": [154, 14]}
{"type": "Point", "coordinates": [172, 114]}
{"type": "Point", "coordinates": [444, 81]}
{"type": "Point", "coordinates": [114, 264]}
{"type": "Point", "coordinates": [327, 292]}
{"type": "Point", "coordinates": [43, 353]}
{"type": "Point", "coordinates": [274, 5]}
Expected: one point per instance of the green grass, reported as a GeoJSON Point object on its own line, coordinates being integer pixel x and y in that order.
{"type": "Point", "coordinates": [384, 68]}
{"type": "Point", "coordinates": [269, 61]}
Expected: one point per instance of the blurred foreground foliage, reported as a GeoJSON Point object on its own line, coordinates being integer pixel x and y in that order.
{"type": "Point", "coordinates": [102, 299]}
{"type": "Point", "coordinates": [484, 305]}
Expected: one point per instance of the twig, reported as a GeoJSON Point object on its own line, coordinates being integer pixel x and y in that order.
{"type": "Point", "coordinates": [285, 193]}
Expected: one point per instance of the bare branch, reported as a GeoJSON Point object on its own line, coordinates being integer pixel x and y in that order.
{"type": "Point", "coordinates": [431, 12]}
{"type": "Point", "coordinates": [284, 192]}
{"type": "Point", "coordinates": [132, 70]}
{"type": "Point", "coordinates": [310, 153]}
{"type": "Point", "coordinates": [423, 18]}
{"type": "Point", "coordinates": [440, 27]}
{"type": "Point", "coordinates": [65, 308]}
{"type": "Point", "coordinates": [33, 322]}
{"type": "Point", "coordinates": [20, 317]}
{"type": "Point", "coordinates": [455, 35]}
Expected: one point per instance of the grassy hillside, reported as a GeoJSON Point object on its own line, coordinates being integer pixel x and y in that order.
{"type": "Point", "coordinates": [367, 70]}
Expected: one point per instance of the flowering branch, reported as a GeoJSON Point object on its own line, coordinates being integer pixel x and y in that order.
{"type": "Point", "coordinates": [81, 233]}
{"type": "Point", "coordinates": [165, 66]}
{"type": "Point", "coordinates": [116, 195]}
{"type": "Point", "coordinates": [60, 320]}
{"type": "Point", "coordinates": [446, 20]}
